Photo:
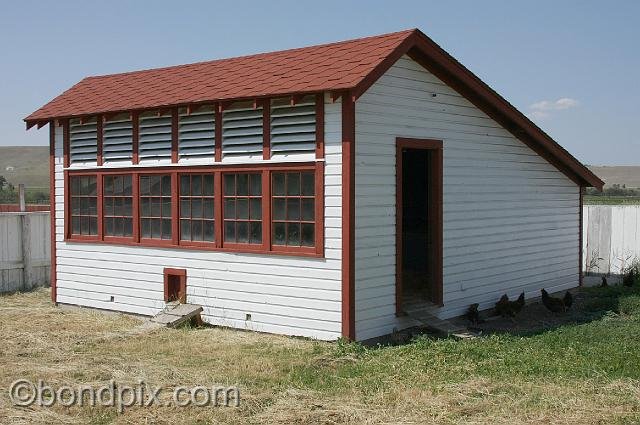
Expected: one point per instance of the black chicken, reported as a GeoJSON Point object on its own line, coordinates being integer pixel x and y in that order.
{"type": "Point", "coordinates": [604, 283]}
{"type": "Point", "coordinates": [506, 308]}
{"type": "Point", "coordinates": [473, 314]}
{"type": "Point", "coordinates": [557, 305]}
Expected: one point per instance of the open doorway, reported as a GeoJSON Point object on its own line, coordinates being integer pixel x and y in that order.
{"type": "Point", "coordinates": [418, 222]}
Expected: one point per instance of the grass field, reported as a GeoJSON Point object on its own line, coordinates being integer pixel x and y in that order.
{"type": "Point", "coordinates": [28, 165]}
{"type": "Point", "coordinates": [581, 373]}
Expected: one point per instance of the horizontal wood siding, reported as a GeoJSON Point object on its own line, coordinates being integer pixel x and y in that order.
{"type": "Point", "coordinates": [510, 218]}
{"type": "Point", "coordinates": [288, 295]}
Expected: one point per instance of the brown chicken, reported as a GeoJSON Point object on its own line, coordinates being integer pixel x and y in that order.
{"type": "Point", "coordinates": [557, 305]}
{"type": "Point", "coordinates": [473, 314]}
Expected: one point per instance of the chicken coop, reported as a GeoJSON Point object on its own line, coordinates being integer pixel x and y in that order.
{"type": "Point", "coordinates": [319, 191]}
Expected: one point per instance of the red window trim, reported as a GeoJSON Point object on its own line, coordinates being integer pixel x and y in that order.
{"type": "Point", "coordinates": [265, 248]}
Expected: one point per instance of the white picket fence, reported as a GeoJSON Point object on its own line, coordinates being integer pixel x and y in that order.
{"type": "Point", "coordinates": [25, 250]}
{"type": "Point", "coordinates": [611, 237]}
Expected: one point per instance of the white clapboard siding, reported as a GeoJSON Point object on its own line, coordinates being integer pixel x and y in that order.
{"type": "Point", "coordinates": [510, 218]}
{"type": "Point", "coordinates": [282, 294]}
{"type": "Point", "coordinates": [293, 127]}
{"type": "Point", "coordinates": [155, 137]}
{"type": "Point", "coordinates": [242, 131]}
{"type": "Point", "coordinates": [117, 140]}
{"type": "Point", "coordinates": [197, 134]}
{"type": "Point", "coordinates": [83, 141]}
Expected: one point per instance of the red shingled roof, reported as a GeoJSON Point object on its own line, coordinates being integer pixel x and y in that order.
{"type": "Point", "coordinates": [348, 65]}
{"type": "Point", "coordinates": [333, 66]}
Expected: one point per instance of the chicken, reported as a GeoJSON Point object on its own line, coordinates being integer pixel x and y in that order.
{"type": "Point", "coordinates": [472, 314]}
{"type": "Point", "coordinates": [567, 300]}
{"type": "Point", "coordinates": [629, 278]}
{"type": "Point", "coordinates": [604, 283]}
{"type": "Point", "coordinates": [506, 308]}
{"type": "Point", "coordinates": [557, 305]}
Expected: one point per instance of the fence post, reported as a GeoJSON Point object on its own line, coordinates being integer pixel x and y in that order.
{"type": "Point", "coordinates": [23, 204]}
{"type": "Point", "coordinates": [27, 272]}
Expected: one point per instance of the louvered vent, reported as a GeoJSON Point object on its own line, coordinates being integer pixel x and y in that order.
{"type": "Point", "coordinates": [117, 139]}
{"type": "Point", "coordinates": [155, 137]}
{"type": "Point", "coordinates": [293, 128]}
{"type": "Point", "coordinates": [83, 140]}
{"type": "Point", "coordinates": [242, 131]}
{"type": "Point", "coordinates": [197, 133]}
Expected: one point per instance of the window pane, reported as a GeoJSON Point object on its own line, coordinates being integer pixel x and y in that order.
{"type": "Point", "coordinates": [185, 208]}
{"type": "Point", "coordinates": [255, 209]}
{"type": "Point", "coordinates": [75, 185]}
{"type": "Point", "coordinates": [166, 185]}
{"type": "Point", "coordinates": [128, 227]}
{"type": "Point", "coordinates": [256, 185]}
{"type": "Point", "coordinates": [229, 208]}
{"type": "Point", "coordinates": [108, 226]}
{"type": "Point", "coordinates": [145, 182]}
{"type": "Point", "coordinates": [117, 185]}
{"type": "Point", "coordinates": [196, 185]}
{"type": "Point", "coordinates": [208, 231]}
{"type": "Point", "coordinates": [293, 209]}
{"type": "Point", "coordinates": [230, 231]}
{"type": "Point", "coordinates": [155, 185]}
{"type": "Point", "coordinates": [278, 184]}
{"type": "Point", "coordinates": [279, 233]}
{"type": "Point", "coordinates": [185, 230]}
{"type": "Point", "coordinates": [308, 184]}
{"type": "Point", "coordinates": [155, 207]}
{"type": "Point", "coordinates": [196, 230]}
{"type": "Point", "coordinates": [166, 229]}
{"type": "Point", "coordinates": [308, 231]}
{"type": "Point", "coordinates": [242, 232]}
{"type": "Point", "coordinates": [255, 234]}
{"type": "Point", "coordinates": [156, 231]}
{"type": "Point", "coordinates": [208, 208]}
{"type": "Point", "coordinates": [242, 185]}
{"type": "Point", "coordinates": [127, 185]}
{"type": "Point", "coordinates": [108, 185]}
{"type": "Point", "coordinates": [93, 225]}
{"type": "Point", "coordinates": [75, 225]}
{"type": "Point", "coordinates": [279, 209]}
{"type": "Point", "coordinates": [145, 207]}
{"type": "Point", "coordinates": [145, 228]}
{"type": "Point", "coordinates": [166, 207]}
{"type": "Point", "coordinates": [293, 234]}
{"type": "Point", "coordinates": [185, 188]}
{"type": "Point", "coordinates": [196, 208]}
{"type": "Point", "coordinates": [293, 184]}
{"type": "Point", "coordinates": [93, 206]}
{"type": "Point", "coordinates": [207, 185]}
{"type": "Point", "coordinates": [308, 209]}
{"type": "Point", "coordinates": [127, 208]}
{"type": "Point", "coordinates": [117, 206]}
{"type": "Point", "coordinates": [229, 184]}
{"type": "Point", "coordinates": [242, 209]}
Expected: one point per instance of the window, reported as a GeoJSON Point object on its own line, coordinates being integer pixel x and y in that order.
{"type": "Point", "coordinates": [293, 208]}
{"type": "Point", "coordinates": [118, 206]}
{"type": "Point", "coordinates": [155, 206]}
{"type": "Point", "coordinates": [117, 140]}
{"type": "Point", "coordinates": [83, 140]}
{"type": "Point", "coordinates": [84, 205]}
{"type": "Point", "coordinates": [242, 130]}
{"type": "Point", "coordinates": [249, 208]}
{"type": "Point", "coordinates": [196, 208]}
{"type": "Point", "coordinates": [155, 136]}
{"type": "Point", "coordinates": [197, 133]}
{"type": "Point", "coordinates": [243, 208]}
{"type": "Point", "coordinates": [293, 127]}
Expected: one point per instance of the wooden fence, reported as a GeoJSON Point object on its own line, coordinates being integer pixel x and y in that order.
{"type": "Point", "coordinates": [611, 237]}
{"type": "Point", "coordinates": [25, 250]}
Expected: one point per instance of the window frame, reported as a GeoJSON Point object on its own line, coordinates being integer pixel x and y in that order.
{"type": "Point", "coordinates": [218, 171]}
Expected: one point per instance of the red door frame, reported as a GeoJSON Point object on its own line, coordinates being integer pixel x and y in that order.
{"type": "Point", "coordinates": [435, 214]}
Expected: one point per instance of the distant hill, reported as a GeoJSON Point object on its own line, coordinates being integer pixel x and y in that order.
{"type": "Point", "coordinates": [619, 174]}
{"type": "Point", "coordinates": [25, 164]}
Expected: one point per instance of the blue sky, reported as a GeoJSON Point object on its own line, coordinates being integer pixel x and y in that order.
{"type": "Point", "coordinates": [572, 66]}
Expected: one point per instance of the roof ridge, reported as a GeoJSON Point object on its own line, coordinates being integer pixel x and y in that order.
{"type": "Point", "coordinates": [408, 32]}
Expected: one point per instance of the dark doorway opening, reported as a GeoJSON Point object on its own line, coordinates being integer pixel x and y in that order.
{"type": "Point", "coordinates": [175, 285]}
{"type": "Point", "coordinates": [419, 222]}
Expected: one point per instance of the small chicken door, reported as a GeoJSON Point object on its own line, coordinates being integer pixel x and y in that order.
{"type": "Point", "coordinates": [175, 285]}
{"type": "Point", "coordinates": [418, 222]}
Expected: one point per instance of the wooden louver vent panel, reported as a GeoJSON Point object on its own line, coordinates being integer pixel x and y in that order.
{"type": "Point", "coordinates": [83, 140]}
{"type": "Point", "coordinates": [117, 140]}
{"type": "Point", "coordinates": [197, 133]}
{"type": "Point", "coordinates": [242, 130]}
{"type": "Point", "coordinates": [293, 128]}
{"type": "Point", "coordinates": [155, 136]}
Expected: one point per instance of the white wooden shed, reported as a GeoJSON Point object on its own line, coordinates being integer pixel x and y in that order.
{"type": "Point", "coordinates": [313, 191]}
